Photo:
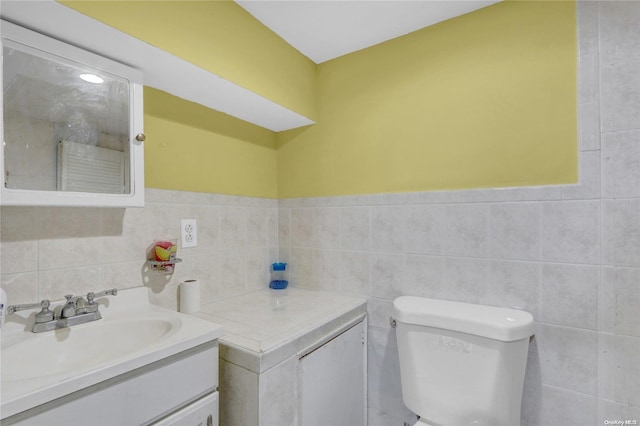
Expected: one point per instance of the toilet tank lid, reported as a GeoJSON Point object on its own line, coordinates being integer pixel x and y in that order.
{"type": "Point", "coordinates": [502, 324]}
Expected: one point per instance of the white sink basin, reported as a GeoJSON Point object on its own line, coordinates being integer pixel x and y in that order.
{"type": "Point", "coordinates": [40, 367]}
{"type": "Point", "coordinates": [81, 347]}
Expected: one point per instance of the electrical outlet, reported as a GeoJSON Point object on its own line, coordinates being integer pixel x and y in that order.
{"type": "Point", "coordinates": [189, 233]}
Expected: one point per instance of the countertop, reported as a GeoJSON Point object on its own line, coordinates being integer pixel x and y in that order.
{"type": "Point", "coordinates": [267, 326]}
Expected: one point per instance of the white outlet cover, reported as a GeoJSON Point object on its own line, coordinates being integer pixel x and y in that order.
{"type": "Point", "coordinates": [188, 233]}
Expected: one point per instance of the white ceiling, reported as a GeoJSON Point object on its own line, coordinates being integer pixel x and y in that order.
{"type": "Point", "coordinates": [325, 29]}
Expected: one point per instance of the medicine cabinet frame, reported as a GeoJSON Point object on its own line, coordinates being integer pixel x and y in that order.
{"type": "Point", "coordinates": [51, 48]}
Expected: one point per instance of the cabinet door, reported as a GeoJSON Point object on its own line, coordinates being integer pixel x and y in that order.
{"type": "Point", "coordinates": [332, 381]}
{"type": "Point", "coordinates": [71, 125]}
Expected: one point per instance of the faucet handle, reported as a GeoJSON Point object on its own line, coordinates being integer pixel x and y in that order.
{"type": "Point", "coordinates": [91, 295]}
{"type": "Point", "coordinates": [43, 316]}
{"type": "Point", "coordinates": [12, 309]}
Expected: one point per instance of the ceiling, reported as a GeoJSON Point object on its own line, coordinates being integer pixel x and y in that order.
{"type": "Point", "coordinates": [325, 29]}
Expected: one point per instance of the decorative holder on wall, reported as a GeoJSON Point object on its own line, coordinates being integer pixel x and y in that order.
{"type": "Point", "coordinates": [161, 256]}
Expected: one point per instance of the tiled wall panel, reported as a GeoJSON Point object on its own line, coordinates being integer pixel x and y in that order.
{"type": "Point", "coordinates": [48, 252]}
{"type": "Point", "coordinates": [568, 254]}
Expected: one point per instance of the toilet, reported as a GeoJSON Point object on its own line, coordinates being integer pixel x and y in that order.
{"type": "Point", "coordinates": [461, 364]}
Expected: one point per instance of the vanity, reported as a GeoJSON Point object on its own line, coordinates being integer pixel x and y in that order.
{"type": "Point", "coordinates": [139, 365]}
{"type": "Point", "coordinates": [291, 357]}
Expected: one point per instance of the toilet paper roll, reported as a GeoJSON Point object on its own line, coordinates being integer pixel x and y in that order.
{"type": "Point", "coordinates": [190, 296]}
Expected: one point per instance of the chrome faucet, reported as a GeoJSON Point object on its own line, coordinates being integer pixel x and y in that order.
{"type": "Point", "coordinates": [75, 311]}
{"type": "Point", "coordinates": [69, 308]}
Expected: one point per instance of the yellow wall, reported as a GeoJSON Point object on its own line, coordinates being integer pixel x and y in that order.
{"type": "Point", "coordinates": [220, 37]}
{"type": "Point", "coordinates": [484, 100]}
{"type": "Point", "coordinates": [192, 148]}
{"type": "Point", "coordinates": [487, 99]}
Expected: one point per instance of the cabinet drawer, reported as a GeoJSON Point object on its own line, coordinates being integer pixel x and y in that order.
{"type": "Point", "coordinates": [136, 398]}
{"type": "Point", "coordinates": [203, 412]}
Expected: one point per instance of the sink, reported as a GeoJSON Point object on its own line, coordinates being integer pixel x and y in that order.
{"type": "Point", "coordinates": [82, 347]}
{"type": "Point", "coordinates": [37, 368]}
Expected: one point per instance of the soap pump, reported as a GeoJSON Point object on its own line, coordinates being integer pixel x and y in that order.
{"type": "Point", "coordinates": [278, 276]}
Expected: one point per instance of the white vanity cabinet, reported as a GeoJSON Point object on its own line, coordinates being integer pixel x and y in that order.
{"type": "Point", "coordinates": [180, 390]}
{"type": "Point", "coordinates": [139, 365]}
{"type": "Point", "coordinates": [72, 125]}
{"type": "Point", "coordinates": [295, 358]}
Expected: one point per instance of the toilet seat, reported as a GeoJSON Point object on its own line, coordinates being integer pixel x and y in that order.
{"type": "Point", "coordinates": [421, 423]}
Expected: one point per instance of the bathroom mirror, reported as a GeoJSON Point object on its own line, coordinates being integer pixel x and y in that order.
{"type": "Point", "coordinates": [69, 123]}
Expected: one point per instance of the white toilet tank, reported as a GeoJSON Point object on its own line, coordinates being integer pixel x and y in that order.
{"type": "Point", "coordinates": [462, 364]}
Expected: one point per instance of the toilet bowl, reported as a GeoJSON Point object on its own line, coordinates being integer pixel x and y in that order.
{"type": "Point", "coordinates": [461, 364]}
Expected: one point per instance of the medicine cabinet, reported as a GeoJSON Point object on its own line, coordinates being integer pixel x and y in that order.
{"type": "Point", "coordinates": [72, 125]}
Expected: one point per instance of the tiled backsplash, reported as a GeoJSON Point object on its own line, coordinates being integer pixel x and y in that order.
{"type": "Point", "coordinates": [568, 254]}
{"type": "Point", "coordinates": [50, 252]}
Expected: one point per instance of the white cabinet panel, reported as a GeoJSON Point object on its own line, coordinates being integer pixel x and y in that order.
{"type": "Point", "coordinates": [135, 398]}
{"type": "Point", "coordinates": [332, 382]}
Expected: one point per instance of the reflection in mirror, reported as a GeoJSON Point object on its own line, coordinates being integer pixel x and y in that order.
{"type": "Point", "coordinates": [66, 126]}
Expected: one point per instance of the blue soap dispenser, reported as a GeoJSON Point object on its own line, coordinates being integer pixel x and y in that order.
{"type": "Point", "coordinates": [278, 276]}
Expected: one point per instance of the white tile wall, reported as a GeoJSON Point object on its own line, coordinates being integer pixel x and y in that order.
{"type": "Point", "coordinates": [515, 231]}
{"type": "Point", "coordinates": [618, 301]}
{"type": "Point", "coordinates": [618, 369]}
{"type": "Point", "coordinates": [561, 407]}
{"type": "Point", "coordinates": [354, 228]}
{"type": "Point", "coordinates": [513, 284]}
{"type": "Point", "coordinates": [621, 232]}
{"type": "Point", "coordinates": [326, 264]}
{"type": "Point", "coordinates": [50, 252]}
{"type": "Point", "coordinates": [384, 393]}
{"type": "Point", "coordinates": [621, 164]}
{"type": "Point", "coordinates": [568, 358]}
{"type": "Point", "coordinates": [619, 22]}
{"type": "Point", "coordinates": [355, 273]}
{"type": "Point", "coordinates": [388, 224]}
{"type": "Point", "coordinates": [569, 289]}
{"type": "Point", "coordinates": [620, 104]}
{"type": "Point", "coordinates": [570, 231]}
{"type": "Point", "coordinates": [568, 254]}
